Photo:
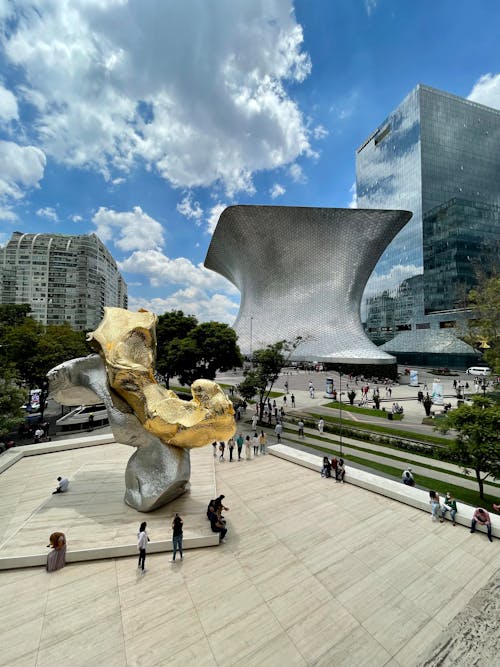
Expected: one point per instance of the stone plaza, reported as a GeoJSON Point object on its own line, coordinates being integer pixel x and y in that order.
{"type": "Point", "coordinates": [311, 573]}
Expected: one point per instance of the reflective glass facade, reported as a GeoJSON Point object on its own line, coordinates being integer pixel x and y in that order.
{"type": "Point", "coordinates": [433, 150]}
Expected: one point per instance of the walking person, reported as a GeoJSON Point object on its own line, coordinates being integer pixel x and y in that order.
{"type": "Point", "coordinates": [300, 426]}
{"type": "Point", "coordinates": [142, 542]}
{"type": "Point", "coordinates": [222, 447]}
{"type": "Point", "coordinates": [278, 430]}
{"type": "Point", "coordinates": [255, 443]}
{"type": "Point", "coordinates": [321, 425]}
{"type": "Point", "coordinates": [292, 398]}
{"type": "Point", "coordinates": [262, 442]}
{"type": "Point", "coordinates": [254, 422]}
{"type": "Point", "coordinates": [248, 452]}
{"type": "Point", "coordinates": [230, 444]}
{"type": "Point", "coordinates": [239, 444]}
{"type": "Point", "coordinates": [177, 536]}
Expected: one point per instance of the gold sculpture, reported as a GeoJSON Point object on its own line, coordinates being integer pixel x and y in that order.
{"type": "Point", "coordinates": [126, 342]}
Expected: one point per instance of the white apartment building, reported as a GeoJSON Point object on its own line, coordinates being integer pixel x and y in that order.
{"type": "Point", "coordinates": [63, 278]}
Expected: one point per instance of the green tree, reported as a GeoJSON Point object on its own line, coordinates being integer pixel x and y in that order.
{"type": "Point", "coordinates": [171, 354]}
{"type": "Point", "coordinates": [13, 313]}
{"type": "Point", "coordinates": [485, 329]}
{"type": "Point", "coordinates": [477, 445]}
{"type": "Point", "coordinates": [34, 349]}
{"type": "Point", "coordinates": [268, 363]}
{"type": "Point", "coordinates": [12, 397]}
{"type": "Point", "coordinates": [211, 347]}
{"type": "Point", "coordinates": [191, 351]}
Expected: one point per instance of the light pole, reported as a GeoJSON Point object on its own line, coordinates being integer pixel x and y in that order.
{"type": "Point", "coordinates": [340, 409]}
{"type": "Point", "coordinates": [251, 335]}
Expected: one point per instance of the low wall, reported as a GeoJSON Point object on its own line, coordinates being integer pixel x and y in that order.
{"type": "Point", "coordinates": [417, 498]}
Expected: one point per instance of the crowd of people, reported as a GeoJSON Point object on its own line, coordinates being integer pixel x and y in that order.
{"type": "Point", "coordinates": [334, 468]}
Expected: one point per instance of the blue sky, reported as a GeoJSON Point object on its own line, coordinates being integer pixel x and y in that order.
{"type": "Point", "coordinates": [141, 121]}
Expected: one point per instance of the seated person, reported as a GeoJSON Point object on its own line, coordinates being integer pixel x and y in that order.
{"type": "Point", "coordinates": [62, 486]}
{"type": "Point", "coordinates": [449, 504]}
{"type": "Point", "coordinates": [217, 504]}
{"type": "Point", "coordinates": [407, 478]}
{"type": "Point", "coordinates": [482, 518]}
{"type": "Point", "coordinates": [217, 525]}
{"type": "Point", "coordinates": [326, 470]}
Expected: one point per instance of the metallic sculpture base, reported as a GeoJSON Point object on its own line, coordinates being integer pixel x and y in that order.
{"type": "Point", "coordinates": [156, 473]}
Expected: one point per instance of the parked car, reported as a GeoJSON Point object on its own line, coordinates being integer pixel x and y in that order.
{"type": "Point", "coordinates": [478, 370]}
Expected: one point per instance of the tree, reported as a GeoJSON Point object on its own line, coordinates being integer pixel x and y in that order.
{"type": "Point", "coordinates": [12, 397]}
{"type": "Point", "coordinates": [191, 351]}
{"type": "Point", "coordinates": [34, 349]}
{"type": "Point", "coordinates": [268, 363]}
{"type": "Point", "coordinates": [477, 445]}
{"type": "Point", "coordinates": [171, 354]}
{"type": "Point", "coordinates": [485, 329]}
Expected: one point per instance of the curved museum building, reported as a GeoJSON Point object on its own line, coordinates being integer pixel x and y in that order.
{"type": "Point", "coordinates": [302, 272]}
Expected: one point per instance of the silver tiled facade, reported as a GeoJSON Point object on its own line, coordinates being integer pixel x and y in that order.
{"type": "Point", "coordinates": [438, 156]}
{"type": "Point", "coordinates": [65, 279]}
{"type": "Point", "coordinates": [302, 272]}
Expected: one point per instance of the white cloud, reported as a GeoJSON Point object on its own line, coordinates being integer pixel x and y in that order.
{"type": "Point", "coordinates": [3, 239]}
{"type": "Point", "coordinates": [190, 209]}
{"type": "Point", "coordinates": [297, 174]}
{"type": "Point", "coordinates": [76, 218]}
{"type": "Point", "coordinates": [49, 213]}
{"type": "Point", "coordinates": [217, 113]}
{"type": "Point", "coordinates": [8, 105]}
{"type": "Point", "coordinates": [370, 6]}
{"type": "Point", "coordinates": [276, 191]}
{"type": "Point", "coordinates": [486, 90]}
{"type": "Point", "coordinates": [214, 215]}
{"type": "Point", "coordinates": [390, 281]}
{"type": "Point", "coordinates": [7, 214]}
{"type": "Point", "coordinates": [354, 197]}
{"type": "Point", "coordinates": [320, 132]}
{"type": "Point", "coordinates": [22, 167]}
{"type": "Point", "coordinates": [163, 271]}
{"type": "Point", "coordinates": [192, 301]}
{"type": "Point", "coordinates": [128, 230]}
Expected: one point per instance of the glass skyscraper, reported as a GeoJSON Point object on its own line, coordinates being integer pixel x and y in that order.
{"type": "Point", "coordinates": [438, 156]}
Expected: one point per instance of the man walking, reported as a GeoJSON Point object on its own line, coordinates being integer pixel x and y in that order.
{"type": "Point", "coordinates": [239, 444]}
{"type": "Point", "coordinates": [300, 426]}
{"type": "Point", "coordinates": [278, 429]}
{"type": "Point", "coordinates": [321, 425]}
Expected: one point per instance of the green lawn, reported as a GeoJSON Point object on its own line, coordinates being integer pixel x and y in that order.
{"type": "Point", "coordinates": [468, 496]}
{"type": "Point", "coordinates": [387, 430]}
{"type": "Point", "coordinates": [372, 412]}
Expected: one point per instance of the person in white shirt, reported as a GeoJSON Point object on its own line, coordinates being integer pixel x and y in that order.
{"type": "Point", "coordinates": [142, 542]}
{"type": "Point", "coordinates": [321, 425]}
{"type": "Point", "coordinates": [62, 485]}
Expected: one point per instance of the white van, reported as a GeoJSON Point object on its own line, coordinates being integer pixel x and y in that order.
{"type": "Point", "coordinates": [478, 370]}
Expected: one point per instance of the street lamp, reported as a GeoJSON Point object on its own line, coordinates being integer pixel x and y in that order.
{"type": "Point", "coordinates": [340, 409]}
{"type": "Point", "coordinates": [251, 335]}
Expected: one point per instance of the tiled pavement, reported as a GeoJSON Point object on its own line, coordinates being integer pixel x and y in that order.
{"type": "Point", "coordinates": [312, 573]}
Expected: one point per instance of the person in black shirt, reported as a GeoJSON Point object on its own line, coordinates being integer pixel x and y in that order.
{"type": "Point", "coordinates": [177, 536]}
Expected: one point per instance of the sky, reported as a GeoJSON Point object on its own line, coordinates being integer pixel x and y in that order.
{"type": "Point", "coordinates": [141, 120]}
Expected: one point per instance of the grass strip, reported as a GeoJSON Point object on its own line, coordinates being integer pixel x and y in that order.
{"type": "Point", "coordinates": [372, 412]}
{"type": "Point", "coordinates": [467, 496]}
{"type": "Point", "coordinates": [376, 428]}
{"type": "Point", "coordinates": [404, 460]}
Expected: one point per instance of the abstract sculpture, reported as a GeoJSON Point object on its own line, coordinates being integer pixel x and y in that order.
{"type": "Point", "coordinates": [141, 412]}
{"type": "Point", "coordinates": [301, 272]}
